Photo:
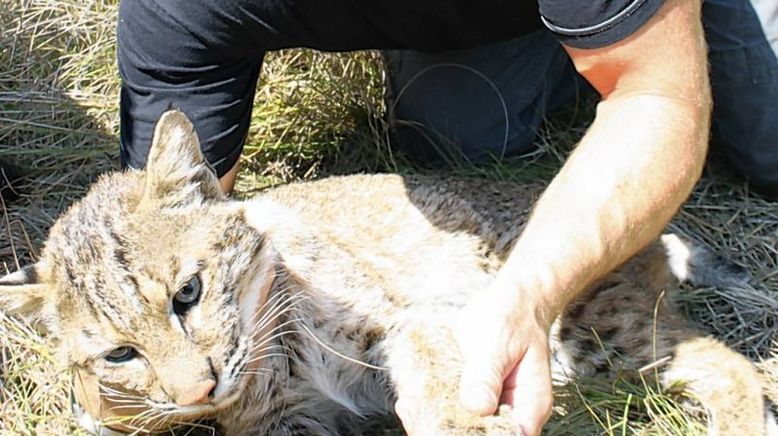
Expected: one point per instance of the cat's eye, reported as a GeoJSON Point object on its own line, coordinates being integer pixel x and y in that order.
{"type": "Point", "coordinates": [187, 296]}
{"type": "Point", "coordinates": [121, 354]}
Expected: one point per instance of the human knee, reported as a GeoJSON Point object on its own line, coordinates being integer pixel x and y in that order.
{"type": "Point", "coordinates": [744, 77]}
{"type": "Point", "coordinates": [480, 103]}
{"type": "Point", "coordinates": [164, 63]}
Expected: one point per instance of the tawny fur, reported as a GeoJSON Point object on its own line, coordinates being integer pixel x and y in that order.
{"type": "Point", "coordinates": [307, 280]}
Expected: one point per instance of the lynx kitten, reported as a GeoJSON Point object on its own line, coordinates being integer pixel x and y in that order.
{"type": "Point", "coordinates": [316, 304]}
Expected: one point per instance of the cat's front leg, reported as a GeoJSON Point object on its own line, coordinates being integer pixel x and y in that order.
{"type": "Point", "coordinates": [297, 426]}
{"type": "Point", "coordinates": [288, 425]}
{"type": "Point", "coordinates": [425, 366]}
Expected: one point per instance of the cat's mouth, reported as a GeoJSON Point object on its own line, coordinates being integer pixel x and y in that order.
{"type": "Point", "coordinates": [236, 373]}
{"type": "Point", "coordinates": [218, 402]}
{"type": "Point", "coordinates": [229, 388]}
{"type": "Point", "coordinates": [227, 398]}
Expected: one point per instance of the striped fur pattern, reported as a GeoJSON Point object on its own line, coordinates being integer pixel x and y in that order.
{"type": "Point", "coordinates": [322, 303]}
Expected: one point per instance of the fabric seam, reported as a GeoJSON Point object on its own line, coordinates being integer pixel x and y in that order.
{"type": "Point", "coordinates": [597, 28]}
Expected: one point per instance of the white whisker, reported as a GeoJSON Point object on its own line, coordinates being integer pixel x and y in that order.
{"type": "Point", "coordinates": [272, 334]}
{"type": "Point", "coordinates": [256, 372]}
{"type": "Point", "coordinates": [271, 301]}
{"type": "Point", "coordinates": [268, 348]}
{"type": "Point", "coordinates": [139, 419]}
{"type": "Point", "coordinates": [284, 297]}
{"type": "Point", "coordinates": [127, 406]}
{"type": "Point", "coordinates": [275, 336]}
{"type": "Point", "coordinates": [113, 391]}
{"type": "Point", "coordinates": [266, 356]}
{"type": "Point", "coordinates": [194, 425]}
{"type": "Point", "coordinates": [265, 324]}
{"type": "Point", "coordinates": [278, 299]}
{"type": "Point", "coordinates": [120, 400]}
{"type": "Point", "coordinates": [339, 354]}
{"type": "Point", "coordinates": [143, 415]}
{"type": "Point", "coordinates": [277, 310]}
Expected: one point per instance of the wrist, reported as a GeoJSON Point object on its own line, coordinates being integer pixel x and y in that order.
{"type": "Point", "coordinates": [544, 275]}
{"type": "Point", "coordinates": [531, 291]}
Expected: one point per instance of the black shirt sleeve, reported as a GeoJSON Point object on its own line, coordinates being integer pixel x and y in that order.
{"type": "Point", "coordinates": [595, 23]}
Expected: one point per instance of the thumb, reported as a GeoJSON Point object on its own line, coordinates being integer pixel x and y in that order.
{"type": "Point", "coordinates": [528, 389]}
{"type": "Point", "coordinates": [482, 379]}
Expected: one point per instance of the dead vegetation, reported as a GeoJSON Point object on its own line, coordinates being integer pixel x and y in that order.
{"type": "Point", "coordinates": [314, 114]}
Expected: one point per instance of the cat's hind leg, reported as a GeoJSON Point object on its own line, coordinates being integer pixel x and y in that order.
{"type": "Point", "coordinates": [627, 320]}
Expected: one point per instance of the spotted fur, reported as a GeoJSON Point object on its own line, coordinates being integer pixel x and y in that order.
{"type": "Point", "coordinates": [323, 303]}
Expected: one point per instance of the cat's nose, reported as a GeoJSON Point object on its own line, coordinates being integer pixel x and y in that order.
{"type": "Point", "coordinates": [198, 393]}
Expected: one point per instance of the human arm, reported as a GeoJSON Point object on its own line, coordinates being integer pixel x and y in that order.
{"type": "Point", "coordinates": [634, 167]}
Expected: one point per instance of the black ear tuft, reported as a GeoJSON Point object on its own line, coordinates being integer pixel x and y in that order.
{"type": "Point", "coordinates": [22, 293]}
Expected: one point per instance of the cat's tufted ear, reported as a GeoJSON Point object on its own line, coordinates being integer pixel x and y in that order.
{"type": "Point", "coordinates": [22, 293]}
{"type": "Point", "coordinates": [176, 171]}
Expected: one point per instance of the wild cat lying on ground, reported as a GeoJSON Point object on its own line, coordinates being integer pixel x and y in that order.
{"type": "Point", "coordinates": [316, 304]}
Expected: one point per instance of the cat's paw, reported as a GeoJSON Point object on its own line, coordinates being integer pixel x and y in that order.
{"type": "Point", "coordinates": [465, 423]}
{"type": "Point", "coordinates": [439, 420]}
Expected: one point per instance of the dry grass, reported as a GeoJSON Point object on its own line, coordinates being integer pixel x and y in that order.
{"type": "Point", "coordinates": [58, 122]}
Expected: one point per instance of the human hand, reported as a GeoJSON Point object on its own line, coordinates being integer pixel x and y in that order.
{"type": "Point", "coordinates": [504, 344]}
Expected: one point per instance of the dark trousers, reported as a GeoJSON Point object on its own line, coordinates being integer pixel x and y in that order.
{"type": "Point", "coordinates": [481, 103]}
